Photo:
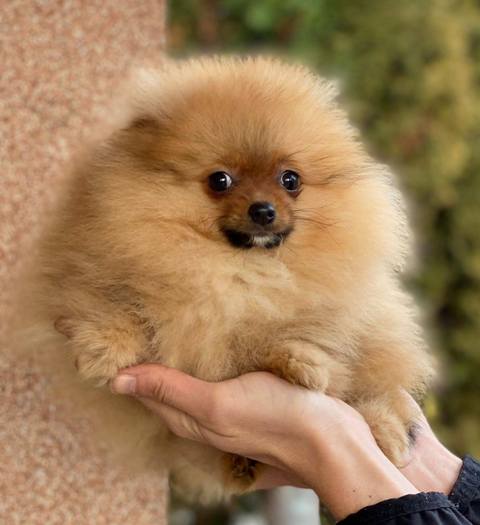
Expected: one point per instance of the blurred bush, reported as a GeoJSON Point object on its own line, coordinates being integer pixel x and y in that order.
{"type": "Point", "coordinates": [410, 73]}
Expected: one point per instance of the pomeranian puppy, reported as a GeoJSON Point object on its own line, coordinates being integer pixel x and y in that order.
{"type": "Point", "coordinates": [234, 223]}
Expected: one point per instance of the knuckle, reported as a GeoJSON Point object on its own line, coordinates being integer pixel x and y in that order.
{"type": "Point", "coordinates": [158, 390]}
{"type": "Point", "coordinates": [189, 429]}
{"type": "Point", "coordinates": [219, 413]}
{"type": "Point", "coordinates": [215, 412]}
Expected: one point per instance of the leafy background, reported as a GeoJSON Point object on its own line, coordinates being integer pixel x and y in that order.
{"type": "Point", "coordinates": [410, 78]}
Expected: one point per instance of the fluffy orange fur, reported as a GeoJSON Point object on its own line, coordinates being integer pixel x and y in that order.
{"type": "Point", "coordinates": [137, 266]}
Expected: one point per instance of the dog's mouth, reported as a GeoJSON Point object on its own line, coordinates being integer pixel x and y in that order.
{"type": "Point", "coordinates": [267, 240]}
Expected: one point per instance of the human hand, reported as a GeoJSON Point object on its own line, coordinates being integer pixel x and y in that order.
{"type": "Point", "coordinates": [306, 437]}
{"type": "Point", "coordinates": [238, 416]}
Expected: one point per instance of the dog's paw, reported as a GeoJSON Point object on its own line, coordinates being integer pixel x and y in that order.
{"type": "Point", "coordinates": [240, 472]}
{"type": "Point", "coordinates": [392, 426]}
{"type": "Point", "coordinates": [100, 361]}
{"type": "Point", "coordinates": [298, 367]}
{"type": "Point", "coordinates": [243, 467]}
{"type": "Point", "coordinates": [301, 373]}
{"type": "Point", "coordinates": [394, 441]}
{"type": "Point", "coordinates": [99, 352]}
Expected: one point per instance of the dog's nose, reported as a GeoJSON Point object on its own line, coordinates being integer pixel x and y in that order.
{"type": "Point", "coordinates": [262, 213]}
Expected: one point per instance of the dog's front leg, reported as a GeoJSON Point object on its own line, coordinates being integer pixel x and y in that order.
{"type": "Point", "coordinates": [306, 364]}
{"type": "Point", "coordinates": [104, 345]}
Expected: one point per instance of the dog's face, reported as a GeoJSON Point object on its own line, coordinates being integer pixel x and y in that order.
{"type": "Point", "coordinates": [257, 203]}
{"type": "Point", "coordinates": [251, 154]}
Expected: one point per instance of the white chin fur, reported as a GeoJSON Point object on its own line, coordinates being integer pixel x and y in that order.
{"type": "Point", "coordinates": [261, 240]}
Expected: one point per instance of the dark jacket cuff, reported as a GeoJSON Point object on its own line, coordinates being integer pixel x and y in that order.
{"type": "Point", "coordinates": [465, 494]}
{"type": "Point", "coordinates": [392, 510]}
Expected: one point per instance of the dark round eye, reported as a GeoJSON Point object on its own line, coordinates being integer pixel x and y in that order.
{"type": "Point", "coordinates": [290, 180]}
{"type": "Point", "coordinates": [219, 181]}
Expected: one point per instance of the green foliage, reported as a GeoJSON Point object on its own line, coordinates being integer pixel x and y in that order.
{"type": "Point", "coordinates": [410, 73]}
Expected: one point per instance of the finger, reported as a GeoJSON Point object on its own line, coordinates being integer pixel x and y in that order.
{"type": "Point", "coordinates": [271, 477]}
{"type": "Point", "coordinates": [167, 386]}
{"type": "Point", "coordinates": [181, 424]}
{"type": "Point", "coordinates": [185, 426]}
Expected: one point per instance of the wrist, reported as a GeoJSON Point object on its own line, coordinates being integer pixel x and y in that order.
{"type": "Point", "coordinates": [347, 470]}
{"type": "Point", "coordinates": [432, 468]}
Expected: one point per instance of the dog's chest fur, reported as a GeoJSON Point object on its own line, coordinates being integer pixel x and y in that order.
{"type": "Point", "coordinates": [212, 321]}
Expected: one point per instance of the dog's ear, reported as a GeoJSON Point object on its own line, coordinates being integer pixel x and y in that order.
{"type": "Point", "coordinates": [145, 96]}
{"type": "Point", "coordinates": [140, 102]}
{"type": "Point", "coordinates": [144, 124]}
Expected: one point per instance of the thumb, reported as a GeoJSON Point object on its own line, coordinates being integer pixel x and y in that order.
{"type": "Point", "coordinates": [181, 424]}
{"type": "Point", "coordinates": [168, 386]}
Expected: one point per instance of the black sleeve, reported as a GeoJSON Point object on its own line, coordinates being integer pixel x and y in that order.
{"type": "Point", "coordinates": [465, 494]}
{"type": "Point", "coordinates": [426, 508]}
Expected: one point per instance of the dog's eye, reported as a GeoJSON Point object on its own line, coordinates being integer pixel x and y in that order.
{"type": "Point", "coordinates": [220, 181]}
{"type": "Point", "coordinates": [290, 180]}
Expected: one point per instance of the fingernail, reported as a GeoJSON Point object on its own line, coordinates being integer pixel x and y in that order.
{"type": "Point", "coordinates": [124, 384]}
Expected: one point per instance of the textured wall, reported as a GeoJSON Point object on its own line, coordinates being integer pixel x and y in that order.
{"type": "Point", "coordinates": [60, 62]}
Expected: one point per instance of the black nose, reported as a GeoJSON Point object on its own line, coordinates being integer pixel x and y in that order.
{"type": "Point", "coordinates": [262, 213]}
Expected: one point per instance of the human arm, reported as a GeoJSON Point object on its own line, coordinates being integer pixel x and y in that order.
{"type": "Point", "coordinates": [306, 437]}
{"type": "Point", "coordinates": [313, 439]}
